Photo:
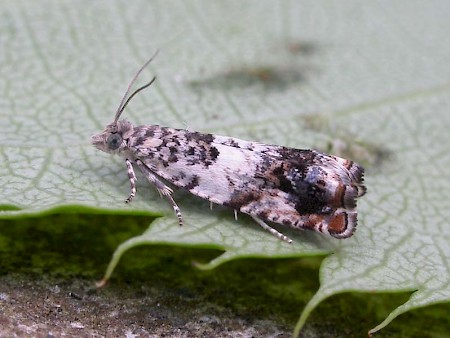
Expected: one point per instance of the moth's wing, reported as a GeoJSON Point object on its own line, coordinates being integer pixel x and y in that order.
{"type": "Point", "coordinates": [304, 172]}
{"type": "Point", "coordinates": [333, 168]}
{"type": "Point", "coordinates": [299, 188]}
{"type": "Point", "coordinates": [304, 189]}
{"type": "Point", "coordinates": [349, 172]}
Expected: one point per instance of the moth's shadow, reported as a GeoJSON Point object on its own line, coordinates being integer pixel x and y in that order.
{"type": "Point", "coordinates": [291, 66]}
{"type": "Point", "coordinates": [267, 77]}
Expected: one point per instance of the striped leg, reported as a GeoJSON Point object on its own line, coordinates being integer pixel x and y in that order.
{"type": "Point", "coordinates": [274, 232]}
{"type": "Point", "coordinates": [163, 189]}
{"type": "Point", "coordinates": [133, 180]}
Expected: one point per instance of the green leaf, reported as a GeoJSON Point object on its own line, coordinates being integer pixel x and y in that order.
{"type": "Point", "coordinates": [368, 82]}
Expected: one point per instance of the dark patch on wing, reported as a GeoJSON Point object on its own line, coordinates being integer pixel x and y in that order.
{"type": "Point", "coordinates": [200, 149]}
{"type": "Point", "coordinates": [232, 143]}
{"type": "Point", "coordinates": [213, 153]}
{"type": "Point", "coordinates": [193, 183]}
{"type": "Point", "coordinates": [199, 137]}
{"type": "Point", "coordinates": [172, 158]}
{"type": "Point", "coordinates": [239, 199]}
{"type": "Point", "coordinates": [291, 177]}
{"type": "Point", "coordinates": [190, 151]}
{"type": "Point", "coordinates": [149, 132]}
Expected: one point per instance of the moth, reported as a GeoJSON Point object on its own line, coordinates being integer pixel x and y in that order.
{"type": "Point", "coordinates": [299, 188]}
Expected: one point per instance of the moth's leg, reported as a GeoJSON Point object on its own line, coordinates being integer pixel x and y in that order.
{"type": "Point", "coordinates": [133, 180]}
{"type": "Point", "coordinates": [274, 232]}
{"type": "Point", "coordinates": [235, 215]}
{"type": "Point", "coordinates": [163, 189]}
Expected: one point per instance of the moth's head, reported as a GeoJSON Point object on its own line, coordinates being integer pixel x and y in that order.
{"type": "Point", "coordinates": [114, 138]}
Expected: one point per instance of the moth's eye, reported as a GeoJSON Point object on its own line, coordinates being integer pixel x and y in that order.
{"type": "Point", "coordinates": [114, 141]}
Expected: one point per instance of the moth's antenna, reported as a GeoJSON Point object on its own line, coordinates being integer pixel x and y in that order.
{"type": "Point", "coordinates": [134, 93]}
{"type": "Point", "coordinates": [124, 101]}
